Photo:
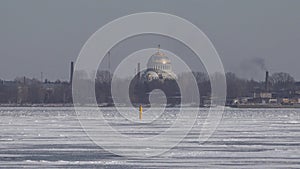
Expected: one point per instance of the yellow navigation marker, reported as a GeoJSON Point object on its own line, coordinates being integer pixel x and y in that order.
{"type": "Point", "coordinates": [141, 111]}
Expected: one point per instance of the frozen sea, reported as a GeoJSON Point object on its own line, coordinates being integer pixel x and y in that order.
{"type": "Point", "coordinates": [245, 138]}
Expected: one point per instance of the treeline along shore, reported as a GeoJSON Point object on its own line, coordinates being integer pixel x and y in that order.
{"type": "Point", "coordinates": [278, 89]}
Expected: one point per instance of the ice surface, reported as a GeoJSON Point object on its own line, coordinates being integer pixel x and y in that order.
{"type": "Point", "coordinates": [245, 138]}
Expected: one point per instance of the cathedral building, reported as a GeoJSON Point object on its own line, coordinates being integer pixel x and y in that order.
{"type": "Point", "coordinates": [158, 67]}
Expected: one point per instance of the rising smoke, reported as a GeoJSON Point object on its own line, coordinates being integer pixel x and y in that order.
{"type": "Point", "coordinates": [260, 62]}
{"type": "Point", "coordinates": [253, 68]}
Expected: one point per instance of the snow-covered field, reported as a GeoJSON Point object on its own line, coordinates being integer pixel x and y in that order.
{"type": "Point", "coordinates": [245, 138]}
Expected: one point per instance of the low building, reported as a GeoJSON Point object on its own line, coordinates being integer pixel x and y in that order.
{"type": "Point", "coordinates": [273, 101]}
{"type": "Point", "coordinates": [263, 95]}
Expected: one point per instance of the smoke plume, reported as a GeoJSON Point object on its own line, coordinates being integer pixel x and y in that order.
{"type": "Point", "coordinates": [260, 62]}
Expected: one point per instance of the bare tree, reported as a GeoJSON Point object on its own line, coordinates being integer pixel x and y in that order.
{"type": "Point", "coordinates": [282, 81]}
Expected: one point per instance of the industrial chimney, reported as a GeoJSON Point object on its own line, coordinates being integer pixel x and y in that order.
{"type": "Point", "coordinates": [267, 81]}
{"type": "Point", "coordinates": [72, 71]}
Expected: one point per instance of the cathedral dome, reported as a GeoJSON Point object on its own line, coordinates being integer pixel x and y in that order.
{"type": "Point", "coordinates": [158, 67]}
{"type": "Point", "coordinates": [159, 61]}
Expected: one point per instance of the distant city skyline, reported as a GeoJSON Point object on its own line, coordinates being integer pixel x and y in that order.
{"type": "Point", "coordinates": [250, 36]}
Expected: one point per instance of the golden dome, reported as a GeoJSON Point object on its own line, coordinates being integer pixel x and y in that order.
{"type": "Point", "coordinates": [159, 61]}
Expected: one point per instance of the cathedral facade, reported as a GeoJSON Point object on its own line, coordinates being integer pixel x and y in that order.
{"type": "Point", "coordinates": [158, 68]}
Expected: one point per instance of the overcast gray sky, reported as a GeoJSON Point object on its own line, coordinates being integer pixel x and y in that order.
{"type": "Point", "coordinates": [45, 35]}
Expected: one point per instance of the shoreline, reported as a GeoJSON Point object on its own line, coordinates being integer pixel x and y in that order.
{"type": "Point", "coordinates": [271, 106]}
{"type": "Point", "coordinates": [242, 106]}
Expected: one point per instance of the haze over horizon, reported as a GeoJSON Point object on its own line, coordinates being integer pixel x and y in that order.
{"type": "Point", "coordinates": [250, 36]}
